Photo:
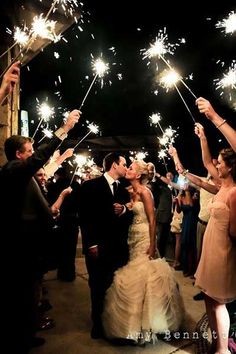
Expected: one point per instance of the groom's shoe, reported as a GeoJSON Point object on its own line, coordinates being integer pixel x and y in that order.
{"type": "Point", "coordinates": [97, 333]}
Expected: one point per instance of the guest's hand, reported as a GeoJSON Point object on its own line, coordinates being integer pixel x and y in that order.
{"type": "Point", "coordinates": [66, 191]}
{"type": "Point", "coordinates": [205, 107]}
{"type": "Point", "coordinates": [68, 153]}
{"type": "Point", "coordinates": [72, 119]}
{"type": "Point", "coordinates": [172, 151]}
{"type": "Point", "coordinates": [199, 130]}
{"type": "Point", "coordinates": [10, 79]}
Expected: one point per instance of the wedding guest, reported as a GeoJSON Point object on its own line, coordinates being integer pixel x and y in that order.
{"type": "Point", "coordinates": [23, 216]}
{"type": "Point", "coordinates": [67, 224]}
{"type": "Point", "coordinates": [215, 274]}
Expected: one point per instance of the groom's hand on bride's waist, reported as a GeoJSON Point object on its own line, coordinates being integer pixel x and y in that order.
{"type": "Point", "coordinates": [119, 209]}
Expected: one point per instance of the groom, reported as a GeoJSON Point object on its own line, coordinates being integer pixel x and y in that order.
{"type": "Point", "coordinates": [104, 227]}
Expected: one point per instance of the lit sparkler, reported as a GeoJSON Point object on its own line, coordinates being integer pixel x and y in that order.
{"type": "Point", "coordinates": [45, 112]}
{"type": "Point", "coordinates": [229, 79]}
{"type": "Point", "coordinates": [161, 155]}
{"type": "Point", "coordinates": [41, 27]}
{"type": "Point", "coordinates": [82, 163]}
{"type": "Point", "coordinates": [20, 37]}
{"type": "Point", "coordinates": [44, 29]}
{"type": "Point", "coordinates": [155, 119]}
{"type": "Point", "coordinates": [92, 129]}
{"type": "Point", "coordinates": [170, 79]}
{"type": "Point", "coordinates": [138, 155]}
{"type": "Point", "coordinates": [159, 48]}
{"type": "Point", "coordinates": [100, 68]}
{"type": "Point", "coordinates": [47, 133]}
{"type": "Point", "coordinates": [228, 24]}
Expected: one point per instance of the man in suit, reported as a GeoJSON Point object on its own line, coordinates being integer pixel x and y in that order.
{"type": "Point", "coordinates": [104, 221]}
{"type": "Point", "coordinates": [24, 213]}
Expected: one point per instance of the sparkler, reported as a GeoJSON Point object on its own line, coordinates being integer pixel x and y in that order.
{"type": "Point", "coordinates": [162, 154]}
{"type": "Point", "coordinates": [45, 112]}
{"type": "Point", "coordinates": [138, 155]}
{"type": "Point", "coordinates": [92, 129]}
{"type": "Point", "coordinates": [82, 162]}
{"type": "Point", "coordinates": [41, 27]}
{"type": "Point", "coordinates": [228, 24]}
{"type": "Point", "coordinates": [20, 37]}
{"type": "Point", "coordinates": [47, 133]}
{"type": "Point", "coordinates": [155, 119]}
{"type": "Point", "coordinates": [159, 48]}
{"type": "Point", "coordinates": [166, 139]}
{"type": "Point", "coordinates": [100, 68]}
{"type": "Point", "coordinates": [169, 80]}
{"type": "Point", "coordinates": [229, 79]}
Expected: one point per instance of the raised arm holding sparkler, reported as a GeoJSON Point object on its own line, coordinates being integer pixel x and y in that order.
{"type": "Point", "coordinates": [100, 68]}
{"type": "Point", "coordinates": [10, 79]}
{"type": "Point", "coordinates": [205, 107]}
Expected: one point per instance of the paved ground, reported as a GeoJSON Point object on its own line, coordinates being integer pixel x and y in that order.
{"type": "Point", "coordinates": [71, 312]}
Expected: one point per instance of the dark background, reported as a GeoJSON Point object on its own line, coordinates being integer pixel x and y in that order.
{"type": "Point", "coordinates": [123, 107]}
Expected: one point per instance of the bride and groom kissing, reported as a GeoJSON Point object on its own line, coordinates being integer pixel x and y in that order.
{"type": "Point", "coordinates": [132, 292]}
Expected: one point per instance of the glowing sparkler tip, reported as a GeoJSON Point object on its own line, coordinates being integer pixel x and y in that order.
{"type": "Point", "coordinates": [93, 128]}
{"type": "Point", "coordinates": [100, 67]}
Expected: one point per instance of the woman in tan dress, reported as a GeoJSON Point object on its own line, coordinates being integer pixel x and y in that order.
{"type": "Point", "coordinates": [216, 275]}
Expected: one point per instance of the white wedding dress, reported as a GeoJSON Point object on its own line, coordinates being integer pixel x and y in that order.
{"type": "Point", "coordinates": [144, 298]}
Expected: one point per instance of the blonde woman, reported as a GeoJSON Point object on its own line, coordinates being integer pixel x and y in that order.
{"type": "Point", "coordinates": [144, 298]}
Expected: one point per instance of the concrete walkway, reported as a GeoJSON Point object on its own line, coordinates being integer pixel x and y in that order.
{"type": "Point", "coordinates": [71, 312]}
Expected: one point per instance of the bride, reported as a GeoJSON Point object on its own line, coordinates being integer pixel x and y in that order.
{"type": "Point", "coordinates": [144, 298]}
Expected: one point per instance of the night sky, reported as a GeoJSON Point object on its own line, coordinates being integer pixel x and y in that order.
{"type": "Point", "coordinates": [123, 107]}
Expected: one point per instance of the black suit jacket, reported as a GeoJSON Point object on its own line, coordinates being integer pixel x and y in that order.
{"type": "Point", "coordinates": [99, 224]}
{"type": "Point", "coordinates": [23, 207]}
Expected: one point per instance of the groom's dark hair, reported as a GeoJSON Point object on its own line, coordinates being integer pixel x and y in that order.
{"type": "Point", "coordinates": [109, 159]}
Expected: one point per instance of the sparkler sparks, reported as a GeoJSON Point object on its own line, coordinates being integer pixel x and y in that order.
{"type": "Point", "coordinates": [160, 47]}
{"type": "Point", "coordinates": [82, 163]}
{"type": "Point", "coordinates": [169, 79]}
{"type": "Point", "coordinates": [229, 79]}
{"type": "Point", "coordinates": [44, 28]}
{"type": "Point", "coordinates": [227, 84]}
{"type": "Point", "coordinates": [100, 68]}
{"type": "Point", "coordinates": [228, 24]}
{"type": "Point", "coordinates": [155, 119]}
{"type": "Point", "coordinates": [21, 37]}
{"type": "Point", "coordinates": [47, 133]}
{"type": "Point", "coordinates": [93, 128]}
{"type": "Point", "coordinates": [45, 112]}
{"type": "Point", "coordinates": [138, 155]}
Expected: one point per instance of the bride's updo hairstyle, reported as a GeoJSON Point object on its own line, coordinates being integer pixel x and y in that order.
{"type": "Point", "coordinates": [146, 170]}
